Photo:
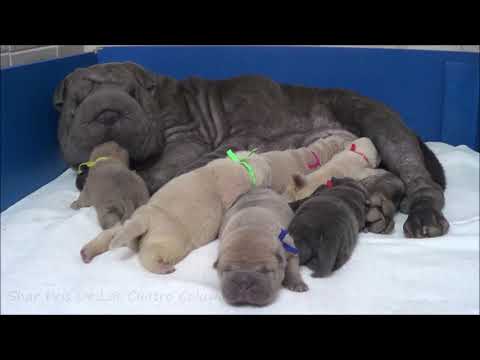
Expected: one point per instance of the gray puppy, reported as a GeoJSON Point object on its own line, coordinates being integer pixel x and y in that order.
{"type": "Point", "coordinates": [111, 187]}
{"type": "Point", "coordinates": [326, 224]}
{"type": "Point", "coordinates": [253, 261]}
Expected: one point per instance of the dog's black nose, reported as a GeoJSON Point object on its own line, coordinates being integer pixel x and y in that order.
{"type": "Point", "coordinates": [108, 117]}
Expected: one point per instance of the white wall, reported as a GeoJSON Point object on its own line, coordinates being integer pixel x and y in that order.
{"type": "Point", "coordinates": [469, 48]}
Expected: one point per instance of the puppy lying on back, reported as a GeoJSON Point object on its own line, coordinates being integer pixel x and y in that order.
{"type": "Point", "coordinates": [252, 262]}
{"type": "Point", "coordinates": [111, 187]}
{"type": "Point", "coordinates": [187, 212]}
{"type": "Point", "coordinates": [326, 225]}
{"type": "Point", "coordinates": [357, 161]}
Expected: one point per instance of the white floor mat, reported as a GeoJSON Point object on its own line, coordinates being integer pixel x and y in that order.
{"type": "Point", "coordinates": [42, 273]}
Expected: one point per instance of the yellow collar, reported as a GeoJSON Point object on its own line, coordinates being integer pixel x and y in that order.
{"type": "Point", "coordinates": [90, 164]}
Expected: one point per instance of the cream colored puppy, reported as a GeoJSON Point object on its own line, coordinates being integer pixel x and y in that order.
{"type": "Point", "coordinates": [357, 161]}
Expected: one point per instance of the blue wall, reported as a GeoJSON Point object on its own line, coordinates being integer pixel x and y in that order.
{"type": "Point", "coordinates": [436, 92]}
{"type": "Point", "coordinates": [30, 155]}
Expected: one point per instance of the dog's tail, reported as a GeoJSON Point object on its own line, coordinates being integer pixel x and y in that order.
{"type": "Point", "coordinates": [432, 164]}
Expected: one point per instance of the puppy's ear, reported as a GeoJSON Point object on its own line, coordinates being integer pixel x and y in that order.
{"type": "Point", "coordinates": [296, 204]}
{"type": "Point", "coordinates": [146, 79]}
{"type": "Point", "coordinates": [299, 181]}
{"type": "Point", "coordinates": [215, 264]}
{"type": "Point", "coordinates": [59, 95]}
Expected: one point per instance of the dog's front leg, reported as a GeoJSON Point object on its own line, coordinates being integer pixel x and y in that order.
{"type": "Point", "coordinates": [82, 201]}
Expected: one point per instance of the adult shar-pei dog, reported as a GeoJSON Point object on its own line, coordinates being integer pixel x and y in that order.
{"type": "Point", "coordinates": [173, 126]}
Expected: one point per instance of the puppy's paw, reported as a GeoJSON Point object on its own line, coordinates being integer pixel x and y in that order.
{"type": "Point", "coordinates": [297, 286]}
{"type": "Point", "coordinates": [85, 254]}
{"type": "Point", "coordinates": [380, 213]}
{"type": "Point", "coordinates": [75, 205]}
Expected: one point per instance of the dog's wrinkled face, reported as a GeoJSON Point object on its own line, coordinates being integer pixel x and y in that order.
{"type": "Point", "coordinates": [251, 273]}
{"type": "Point", "coordinates": [115, 101]}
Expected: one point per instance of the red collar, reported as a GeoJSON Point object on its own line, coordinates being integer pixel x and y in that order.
{"type": "Point", "coordinates": [315, 164]}
{"type": "Point", "coordinates": [353, 148]}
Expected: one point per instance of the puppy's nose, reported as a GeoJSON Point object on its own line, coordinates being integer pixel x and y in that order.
{"type": "Point", "coordinates": [243, 281]}
{"type": "Point", "coordinates": [108, 117]}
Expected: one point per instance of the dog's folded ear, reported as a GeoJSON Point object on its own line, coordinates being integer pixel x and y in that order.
{"type": "Point", "coordinates": [146, 79]}
{"type": "Point", "coordinates": [59, 95]}
{"type": "Point", "coordinates": [299, 181]}
{"type": "Point", "coordinates": [215, 264]}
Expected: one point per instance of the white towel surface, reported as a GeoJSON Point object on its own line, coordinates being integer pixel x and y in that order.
{"type": "Point", "coordinates": [42, 272]}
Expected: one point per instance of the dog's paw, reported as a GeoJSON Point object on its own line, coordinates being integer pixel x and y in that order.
{"type": "Point", "coordinates": [425, 223]}
{"type": "Point", "coordinates": [75, 205]}
{"type": "Point", "coordinates": [297, 286]}
{"type": "Point", "coordinates": [85, 254]}
{"type": "Point", "coordinates": [380, 213]}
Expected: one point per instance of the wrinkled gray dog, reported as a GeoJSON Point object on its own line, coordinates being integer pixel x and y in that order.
{"type": "Point", "coordinates": [172, 126]}
{"type": "Point", "coordinates": [252, 262]}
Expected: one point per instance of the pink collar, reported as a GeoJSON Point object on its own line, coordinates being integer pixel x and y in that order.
{"type": "Point", "coordinates": [315, 164]}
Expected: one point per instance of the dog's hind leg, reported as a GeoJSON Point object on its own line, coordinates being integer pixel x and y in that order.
{"type": "Point", "coordinates": [108, 216]}
{"type": "Point", "coordinates": [99, 245]}
{"type": "Point", "coordinates": [130, 233]}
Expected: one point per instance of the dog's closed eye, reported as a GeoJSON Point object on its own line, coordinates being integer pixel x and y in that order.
{"type": "Point", "coordinates": [265, 270]}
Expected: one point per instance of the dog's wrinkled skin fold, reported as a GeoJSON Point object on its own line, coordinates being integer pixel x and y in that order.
{"type": "Point", "coordinates": [170, 127]}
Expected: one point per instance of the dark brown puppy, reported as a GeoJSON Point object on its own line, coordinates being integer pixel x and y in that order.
{"type": "Point", "coordinates": [326, 225]}
{"type": "Point", "coordinates": [111, 187]}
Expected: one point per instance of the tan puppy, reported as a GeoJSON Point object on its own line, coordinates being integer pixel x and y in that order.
{"type": "Point", "coordinates": [186, 213]}
{"type": "Point", "coordinates": [357, 161]}
{"type": "Point", "coordinates": [305, 160]}
{"type": "Point", "coordinates": [111, 187]}
{"type": "Point", "coordinates": [252, 263]}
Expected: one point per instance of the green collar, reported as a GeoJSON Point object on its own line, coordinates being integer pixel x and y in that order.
{"type": "Point", "coordinates": [244, 163]}
{"type": "Point", "coordinates": [90, 164]}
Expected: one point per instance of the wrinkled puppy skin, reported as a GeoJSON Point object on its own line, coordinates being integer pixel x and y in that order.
{"type": "Point", "coordinates": [111, 187]}
{"type": "Point", "coordinates": [357, 164]}
{"type": "Point", "coordinates": [252, 264]}
{"type": "Point", "coordinates": [326, 225]}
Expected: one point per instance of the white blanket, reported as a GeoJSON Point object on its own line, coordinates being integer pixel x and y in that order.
{"type": "Point", "coordinates": [42, 272]}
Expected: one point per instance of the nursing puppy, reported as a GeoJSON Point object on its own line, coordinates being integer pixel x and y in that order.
{"type": "Point", "coordinates": [183, 215]}
{"type": "Point", "coordinates": [326, 225]}
{"type": "Point", "coordinates": [305, 160]}
{"type": "Point", "coordinates": [111, 187]}
{"type": "Point", "coordinates": [357, 161]}
{"type": "Point", "coordinates": [187, 212]}
{"type": "Point", "coordinates": [252, 263]}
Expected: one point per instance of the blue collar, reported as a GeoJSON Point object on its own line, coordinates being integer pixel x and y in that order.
{"type": "Point", "coordinates": [286, 246]}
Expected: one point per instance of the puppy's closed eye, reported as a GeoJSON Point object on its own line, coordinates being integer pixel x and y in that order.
{"type": "Point", "coordinates": [265, 270]}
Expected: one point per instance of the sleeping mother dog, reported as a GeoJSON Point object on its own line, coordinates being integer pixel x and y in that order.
{"type": "Point", "coordinates": [173, 126]}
